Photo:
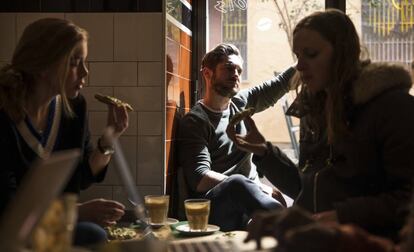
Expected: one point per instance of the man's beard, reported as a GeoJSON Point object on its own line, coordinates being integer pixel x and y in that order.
{"type": "Point", "coordinates": [221, 89]}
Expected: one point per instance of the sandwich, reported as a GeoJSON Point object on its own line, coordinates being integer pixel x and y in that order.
{"type": "Point", "coordinates": [113, 101]}
{"type": "Point", "coordinates": [236, 118]}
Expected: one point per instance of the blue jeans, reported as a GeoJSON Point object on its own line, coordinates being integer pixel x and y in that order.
{"type": "Point", "coordinates": [234, 200]}
{"type": "Point", "coordinates": [88, 234]}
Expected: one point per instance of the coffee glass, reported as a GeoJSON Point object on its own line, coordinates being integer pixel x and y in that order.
{"type": "Point", "coordinates": [157, 207]}
{"type": "Point", "coordinates": [197, 212]}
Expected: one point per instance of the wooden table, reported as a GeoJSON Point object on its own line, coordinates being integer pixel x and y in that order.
{"type": "Point", "coordinates": [165, 236]}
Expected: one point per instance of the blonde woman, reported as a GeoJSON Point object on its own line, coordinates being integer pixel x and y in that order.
{"type": "Point", "coordinates": [42, 111]}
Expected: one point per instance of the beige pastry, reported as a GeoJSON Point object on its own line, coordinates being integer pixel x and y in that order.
{"type": "Point", "coordinates": [113, 101]}
{"type": "Point", "coordinates": [236, 118]}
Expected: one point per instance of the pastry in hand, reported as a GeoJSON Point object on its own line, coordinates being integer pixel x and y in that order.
{"type": "Point", "coordinates": [113, 101]}
{"type": "Point", "coordinates": [236, 118]}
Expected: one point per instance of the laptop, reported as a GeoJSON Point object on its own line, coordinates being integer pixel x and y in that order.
{"type": "Point", "coordinates": [40, 186]}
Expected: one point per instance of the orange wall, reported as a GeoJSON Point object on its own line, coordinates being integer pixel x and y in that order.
{"type": "Point", "coordinates": [178, 90]}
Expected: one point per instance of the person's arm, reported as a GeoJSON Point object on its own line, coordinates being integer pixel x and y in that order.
{"type": "Point", "coordinates": [117, 124]}
{"type": "Point", "coordinates": [269, 159]}
{"type": "Point", "coordinates": [394, 135]}
{"type": "Point", "coordinates": [209, 180]}
{"type": "Point", "coordinates": [194, 155]}
{"type": "Point", "coordinates": [101, 211]}
{"type": "Point", "coordinates": [269, 92]}
{"type": "Point", "coordinates": [93, 163]}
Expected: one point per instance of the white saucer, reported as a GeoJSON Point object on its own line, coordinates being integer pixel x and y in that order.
{"type": "Point", "coordinates": [170, 221]}
{"type": "Point", "coordinates": [185, 229]}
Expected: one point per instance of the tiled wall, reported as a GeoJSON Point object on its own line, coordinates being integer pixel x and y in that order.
{"type": "Point", "coordinates": [126, 59]}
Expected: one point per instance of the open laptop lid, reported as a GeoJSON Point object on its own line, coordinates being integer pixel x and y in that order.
{"type": "Point", "coordinates": [42, 183]}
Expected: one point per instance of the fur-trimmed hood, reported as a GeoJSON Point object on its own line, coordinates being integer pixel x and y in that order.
{"type": "Point", "coordinates": [375, 78]}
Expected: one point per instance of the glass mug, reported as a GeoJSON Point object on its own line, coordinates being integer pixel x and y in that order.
{"type": "Point", "coordinates": [157, 208]}
{"type": "Point", "coordinates": [197, 212]}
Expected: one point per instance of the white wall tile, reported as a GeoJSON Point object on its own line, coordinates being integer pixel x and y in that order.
{"type": "Point", "coordinates": [151, 74]}
{"type": "Point", "coordinates": [150, 36]}
{"type": "Point", "coordinates": [8, 35]}
{"type": "Point", "coordinates": [150, 123]}
{"type": "Point", "coordinates": [125, 37]}
{"type": "Point", "coordinates": [132, 129]}
{"type": "Point", "coordinates": [101, 33]}
{"type": "Point", "coordinates": [120, 195]}
{"type": "Point", "coordinates": [128, 146]}
{"type": "Point", "coordinates": [93, 104]}
{"type": "Point", "coordinates": [150, 160]}
{"type": "Point", "coordinates": [142, 98]}
{"type": "Point", "coordinates": [113, 73]}
{"type": "Point", "coordinates": [96, 192]}
{"type": "Point", "coordinates": [97, 123]}
{"type": "Point", "coordinates": [150, 190]}
{"type": "Point", "coordinates": [23, 19]}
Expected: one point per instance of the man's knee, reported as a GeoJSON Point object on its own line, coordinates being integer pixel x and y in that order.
{"type": "Point", "coordinates": [237, 182]}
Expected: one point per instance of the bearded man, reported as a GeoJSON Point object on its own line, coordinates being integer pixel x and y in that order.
{"type": "Point", "coordinates": [214, 168]}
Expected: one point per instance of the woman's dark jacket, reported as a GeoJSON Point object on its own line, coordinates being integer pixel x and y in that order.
{"type": "Point", "coordinates": [366, 177]}
{"type": "Point", "coordinates": [16, 156]}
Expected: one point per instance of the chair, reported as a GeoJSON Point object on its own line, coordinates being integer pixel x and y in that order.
{"type": "Point", "coordinates": [176, 185]}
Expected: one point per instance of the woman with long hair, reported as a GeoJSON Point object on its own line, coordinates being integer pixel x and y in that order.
{"type": "Point", "coordinates": [42, 111]}
{"type": "Point", "coordinates": [356, 131]}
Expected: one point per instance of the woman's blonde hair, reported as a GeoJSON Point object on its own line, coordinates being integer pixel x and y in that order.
{"type": "Point", "coordinates": [44, 43]}
{"type": "Point", "coordinates": [337, 28]}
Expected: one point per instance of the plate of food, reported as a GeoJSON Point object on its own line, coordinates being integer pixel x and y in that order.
{"type": "Point", "coordinates": [121, 233]}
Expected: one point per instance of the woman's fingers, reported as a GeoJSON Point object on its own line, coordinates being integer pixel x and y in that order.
{"type": "Point", "coordinates": [248, 120]}
{"type": "Point", "coordinates": [255, 229]}
{"type": "Point", "coordinates": [277, 195]}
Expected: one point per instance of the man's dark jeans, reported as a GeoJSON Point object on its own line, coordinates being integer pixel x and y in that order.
{"type": "Point", "coordinates": [234, 200]}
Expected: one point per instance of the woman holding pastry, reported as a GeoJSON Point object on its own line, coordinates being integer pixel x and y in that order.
{"type": "Point", "coordinates": [42, 111]}
{"type": "Point", "coordinates": [356, 120]}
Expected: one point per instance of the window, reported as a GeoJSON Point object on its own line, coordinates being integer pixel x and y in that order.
{"type": "Point", "coordinates": [388, 30]}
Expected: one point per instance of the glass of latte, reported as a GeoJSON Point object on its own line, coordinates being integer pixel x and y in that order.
{"type": "Point", "coordinates": [157, 207]}
{"type": "Point", "coordinates": [197, 212]}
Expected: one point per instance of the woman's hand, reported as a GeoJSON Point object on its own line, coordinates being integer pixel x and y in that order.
{"type": "Point", "coordinates": [275, 193]}
{"type": "Point", "coordinates": [253, 141]}
{"type": "Point", "coordinates": [117, 123]}
{"type": "Point", "coordinates": [118, 120]}
{"type": "Point", "coordinates": [100, 211]}
{"type": "Point", "coordinates": [276, 223]}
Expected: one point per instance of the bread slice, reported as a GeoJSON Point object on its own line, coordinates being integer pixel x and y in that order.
{"type": "Point", "coordinates": [112, 101]}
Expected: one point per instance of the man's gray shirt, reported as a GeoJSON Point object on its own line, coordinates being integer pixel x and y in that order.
{"type": "Point", "coordinates": [203, 142]}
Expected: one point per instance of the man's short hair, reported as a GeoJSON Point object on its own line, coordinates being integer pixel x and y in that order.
{"type": "Point", "coordinates": [218, 54]}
